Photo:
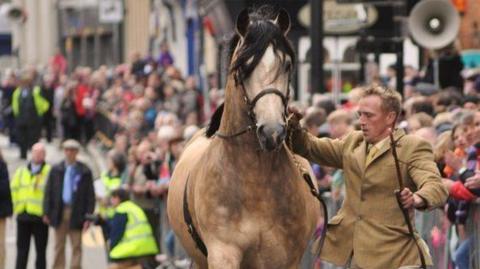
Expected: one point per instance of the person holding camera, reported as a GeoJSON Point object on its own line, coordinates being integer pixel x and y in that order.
{"type": "Point", "coordinates": [28, 188]}
{"type": "Point", "coordinates": [131, 241]}
{"type": "Point", "coordinates": [69, 196]}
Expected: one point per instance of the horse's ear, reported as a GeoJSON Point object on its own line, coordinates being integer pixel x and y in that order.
{"type": "Point", "coordinates": [242, 23]}
{"type": "Point", "coordinates": [283, 21]}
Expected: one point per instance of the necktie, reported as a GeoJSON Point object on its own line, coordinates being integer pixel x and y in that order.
{"type": "Point", "coordinates": [371, 154]}
{"type": "Point", "coordinates": [67, 185]}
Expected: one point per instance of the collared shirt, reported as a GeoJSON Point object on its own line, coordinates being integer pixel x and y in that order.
{"type": "Point", "coordinates": [68, 184]}
{"type": "Point", "coordinates": [35, 168]}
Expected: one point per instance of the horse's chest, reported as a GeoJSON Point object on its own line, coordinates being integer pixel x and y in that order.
{"type": "Point", "coordinates": [263, 222]}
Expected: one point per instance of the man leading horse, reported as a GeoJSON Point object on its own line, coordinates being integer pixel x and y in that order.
{"type": "Point", "coordinates": [373, 229]}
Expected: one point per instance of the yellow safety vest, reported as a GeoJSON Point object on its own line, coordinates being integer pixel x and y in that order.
{"type": "Point", "coordinates": [111, 184]}
{"type": "Point", "coordinates": [41, 104]}
{"type": "Point", "coordinates": [28, 190]}
{"type": "Point", "coordinates": [138, 239]}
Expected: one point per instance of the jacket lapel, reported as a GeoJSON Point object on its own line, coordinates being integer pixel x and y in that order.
{"type": "Point", "coordinates": [399, 133]}
{"type": "Point", "coordinates": [359, 154]}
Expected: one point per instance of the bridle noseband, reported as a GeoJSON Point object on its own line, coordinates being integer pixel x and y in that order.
{"type": "Point", "coordinates": [251, 106]}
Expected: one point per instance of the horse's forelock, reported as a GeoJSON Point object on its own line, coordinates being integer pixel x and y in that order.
{"type": "Point", "coordinates": [260, 34]}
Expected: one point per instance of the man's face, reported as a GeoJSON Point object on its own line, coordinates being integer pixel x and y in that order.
{"type": "Point", "coordinates": [70, 154]}
{"type": "Point", "coordinates": [114, 201]}
{"type": "Point", "coordinates": [38, 153]}
{"type": "Point", "coordinates": [374, 121]}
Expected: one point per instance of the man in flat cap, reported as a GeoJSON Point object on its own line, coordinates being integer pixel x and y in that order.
{"type": "Point", "coordinates": [69, 196]}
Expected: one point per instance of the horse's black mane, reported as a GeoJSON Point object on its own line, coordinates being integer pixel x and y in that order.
{"type": "Point", "coordinates": [261, 33]}
{"type": "Point", "coordinates": [215, 121]}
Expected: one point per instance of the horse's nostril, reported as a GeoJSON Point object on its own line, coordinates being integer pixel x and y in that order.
{"type": "Point", "coordinates": [271, 135]}
{"type": "Point", "coordinates": [280, 133]}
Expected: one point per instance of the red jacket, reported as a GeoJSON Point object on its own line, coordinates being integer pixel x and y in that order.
{"type": "Point", "coordinates": [81, 92]}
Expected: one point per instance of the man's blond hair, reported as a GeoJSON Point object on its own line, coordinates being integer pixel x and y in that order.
{"type": "Point", "coordinates": [391, 99]}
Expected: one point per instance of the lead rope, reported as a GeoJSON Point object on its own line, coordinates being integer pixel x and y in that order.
{"type": "Point", "coordinates": [308, 179]}
{"type": "Point", "coordinates": [405, 214]}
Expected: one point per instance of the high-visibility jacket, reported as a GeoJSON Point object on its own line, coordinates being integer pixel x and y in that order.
{"type": "Point", "coordinates": [138, 239]}
{"type": "Point", "coordinates": [111, 184]}
{"type": "Point", "coordinates": [28, 190]}
{"type": "Point", "coordinates": [41, 104]}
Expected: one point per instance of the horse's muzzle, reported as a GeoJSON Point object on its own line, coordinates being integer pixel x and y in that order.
{"type": "Point", "coordinates": [271, 136]}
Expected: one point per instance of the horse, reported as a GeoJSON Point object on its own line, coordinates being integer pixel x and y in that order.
{"type": "Point", "coordinates": [236, 197]}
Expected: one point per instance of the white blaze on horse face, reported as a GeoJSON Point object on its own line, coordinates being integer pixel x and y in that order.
{"type": "Point", "coordinates": [269, 73]}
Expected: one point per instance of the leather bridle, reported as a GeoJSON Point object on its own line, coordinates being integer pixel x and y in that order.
{"type": "Point", "coordinates": [251, 106]}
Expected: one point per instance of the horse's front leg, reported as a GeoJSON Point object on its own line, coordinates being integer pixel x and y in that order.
{"type": "Point", "coordinates": [224, 256]}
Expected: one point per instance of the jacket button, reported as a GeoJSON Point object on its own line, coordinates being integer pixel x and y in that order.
{"type": "Point", "coordinates": [359, 217]}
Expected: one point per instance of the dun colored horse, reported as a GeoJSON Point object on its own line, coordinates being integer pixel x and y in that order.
{"type": "Point", "coordinates": [237, 199]}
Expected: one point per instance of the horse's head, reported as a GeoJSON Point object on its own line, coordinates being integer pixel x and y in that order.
{"type": "Point", "coordinates": [262, 64]}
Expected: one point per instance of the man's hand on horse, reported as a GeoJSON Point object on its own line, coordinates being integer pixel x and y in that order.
{"type": "Point", "coordinates": [410, 200]}
{"type": "Point", "coordinates": [294, 117]}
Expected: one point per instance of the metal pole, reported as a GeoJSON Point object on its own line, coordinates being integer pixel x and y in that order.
{"type": "Point", "coordinates": [436, 71]}
{"type": "Point", "coordinates": [96, 48]}
{"type": "Point", "coordinates": [400, 13]}
{"type": "Point", "coordinates": [400, 67]}
{"type": "Point", "coordinates": [115, 43]}
{"type": "Point", "coordinates": [316, 48]}
{"type": "Point", "coordinates": [336, 73]}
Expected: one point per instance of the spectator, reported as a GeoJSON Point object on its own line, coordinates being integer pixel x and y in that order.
{"type": "Point", "coordinates": [132, 244]}
{"type": "Point", "coordinates": [7, 88]}
{"type": "Point", "coordinates": [165, 59]}
{"type": "Point", "coordinates": [28, 188]}
{"type": "Point", "coordinates": [315, 117]}
{"type": "Point", "coordinates": [419, 120]}
{"type": "Point", "coordinates": [48, 93]}
{"type": "Point", "coordinates": [69, 119]}
{"type": "Point", "coordinates": [109, 181]}
{"type": "Point", "coordinates": [85, 102]}
{"type": "Point", "coordinates": [340, 123]}
{"type": "Point", "coordinates": [28, 107]}
{"type": "Point", "coordinates": [58, 63]}
{"type": "Point", "coordinates": [69, 196]}
{"type": "Point", "coordinates": [190, 100]}
{"type": "Point", "coordinates": [5, 207]}
{"type": "Point", "coordinates": [143, 173]}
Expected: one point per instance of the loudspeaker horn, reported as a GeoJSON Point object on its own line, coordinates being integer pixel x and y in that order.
{"type": "Point", "coordinates": [13, 12]}
{"type": "Point", "coordinates": [434, 24]}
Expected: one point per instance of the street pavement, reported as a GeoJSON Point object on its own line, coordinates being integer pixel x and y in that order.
{"type": "Point", "coordinates": [93, 250]}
